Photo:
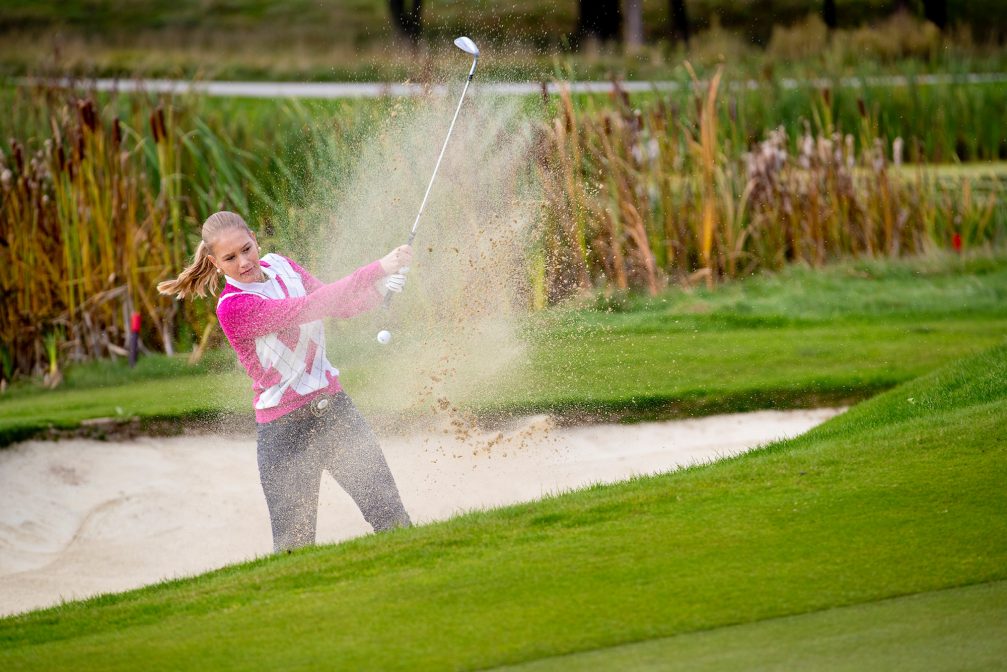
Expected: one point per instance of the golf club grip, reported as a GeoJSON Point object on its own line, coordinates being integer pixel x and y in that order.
{"type": "Point", "coordinates": [388, 297]}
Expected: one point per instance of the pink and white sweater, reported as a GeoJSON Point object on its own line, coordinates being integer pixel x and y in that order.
{"type": "Point", "coordinates": [276, 329]}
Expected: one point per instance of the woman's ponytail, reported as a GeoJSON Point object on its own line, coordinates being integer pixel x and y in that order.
{"type": "Point", "coordinates": [200, 277]}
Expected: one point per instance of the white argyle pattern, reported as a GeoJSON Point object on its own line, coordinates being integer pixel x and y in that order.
{"type": "Point", "coordinates": [302, 368]}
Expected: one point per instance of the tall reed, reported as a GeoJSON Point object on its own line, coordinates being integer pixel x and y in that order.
{"type": "Point", "coordinates": [101, 197]}
{"type": "Point", "coordinates": [92, 216]}
{"type": "Point", "coordinates": [653, 194]}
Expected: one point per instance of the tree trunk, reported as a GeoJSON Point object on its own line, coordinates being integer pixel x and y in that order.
{"type": "Point", "coordinates": [598, 19]}
{"type": "Point", "coordinates": [633, 34]}
{"type": "Point", "coordinates": [936, 12]}
{"type": "Point", "coordinates": [408, 20]}
{"type": "Point", "coordinates": [829, 14]}
{"type": "Point", "coordinates": [679, 20]}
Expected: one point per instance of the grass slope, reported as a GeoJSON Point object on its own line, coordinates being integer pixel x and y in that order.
{"type": "Point", "coordinates": [901, 495]}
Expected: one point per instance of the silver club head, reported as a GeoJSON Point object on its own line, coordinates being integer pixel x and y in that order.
{"type": "Point", "coordinates": [467, 45]}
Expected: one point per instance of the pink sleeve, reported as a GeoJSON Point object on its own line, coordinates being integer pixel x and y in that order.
{"type": "Point", "coordinates": [310, 282]}
{"type": "Point", "coordinates": [248, 315]}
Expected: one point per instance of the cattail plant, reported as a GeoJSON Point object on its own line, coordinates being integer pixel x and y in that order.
{"type": "Point", "coordinates": [91, 219]}
{"type": "Point", "coordinates": [101, 200]}
{"type": "Point", "coordinates": [641, 196]}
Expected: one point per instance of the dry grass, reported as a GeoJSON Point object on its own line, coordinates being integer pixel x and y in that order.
{"type": "Point", "coordinates": [642, 196]}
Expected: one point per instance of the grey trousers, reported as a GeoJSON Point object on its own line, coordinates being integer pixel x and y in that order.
{"type": "Point", "coordinates": [294, 450]}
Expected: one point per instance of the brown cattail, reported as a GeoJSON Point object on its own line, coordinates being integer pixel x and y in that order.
{"type": "Point", "coordinates": [18, 153]}
{"type": "Point", "coordinates": [88, 117]}
{"type": "Point", "coordinates": [862, 108]}
{"type": "Point", "coordinates": [157, 124]}
{"type": "Point", "coordinates": [827, 96]}
{"type": "Point", "coordinates": [116, 132]}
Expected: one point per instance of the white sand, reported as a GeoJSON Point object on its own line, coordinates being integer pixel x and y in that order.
{"type": "Point", "coordinates": [81, 517]}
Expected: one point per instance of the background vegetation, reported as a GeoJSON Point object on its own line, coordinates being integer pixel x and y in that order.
{"type": "Point", "coordinates": [301, 39]}
{"type": "Point", "coordinates": [103, 196]}
{"type": "Point", "coordinates": [740, 169]}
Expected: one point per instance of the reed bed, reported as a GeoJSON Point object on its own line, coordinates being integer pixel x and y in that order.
{"type": "Point", "coordinates": [100, 198]}
{"type": "Point", "coordinates": [96, 208]}
{"type": "Point", "coordinates": [84, 232]}
{"type": "Point", "coordinates": [640, 196]}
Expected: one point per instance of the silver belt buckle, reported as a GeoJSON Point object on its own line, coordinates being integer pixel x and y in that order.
{"type": "Point", "coordinates": [319, 405]}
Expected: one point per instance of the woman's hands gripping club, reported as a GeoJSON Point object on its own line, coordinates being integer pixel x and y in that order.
{"type": "Point", "coordinates": [395, 264]}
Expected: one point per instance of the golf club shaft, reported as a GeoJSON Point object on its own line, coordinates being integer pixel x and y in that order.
{"type": "Point", "coordinates": [423, 204]}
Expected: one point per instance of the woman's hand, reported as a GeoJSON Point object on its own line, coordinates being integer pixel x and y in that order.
{"type": "Point", "coordinates": [398, 258]}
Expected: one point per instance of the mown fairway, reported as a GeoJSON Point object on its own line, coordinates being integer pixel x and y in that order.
{"type": "Point", "coordinates": [902, 495]}
{"type": "Point", "coordinates": [935, 630]}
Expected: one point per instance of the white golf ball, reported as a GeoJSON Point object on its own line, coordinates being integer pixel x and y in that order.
{"type": "Point", "coordinates": [384, 337]}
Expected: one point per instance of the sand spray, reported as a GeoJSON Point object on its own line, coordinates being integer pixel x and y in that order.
{"type": "Point", "coordinates": [456, 328]}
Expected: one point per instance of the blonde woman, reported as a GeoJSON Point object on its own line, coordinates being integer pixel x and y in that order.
{"type": "Point", "coordinates": [271, 311]}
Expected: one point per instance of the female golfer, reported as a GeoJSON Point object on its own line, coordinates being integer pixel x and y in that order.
{"type": "Point", "coordinates": [271, 310]}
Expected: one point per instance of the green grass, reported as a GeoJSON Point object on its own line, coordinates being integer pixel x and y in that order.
{"type": "Point", "coordinates": [903, 495]}
{"type": "Point", "coordinates": [939, 630]}
{"type": "Point", "coordinates": [798, 339]}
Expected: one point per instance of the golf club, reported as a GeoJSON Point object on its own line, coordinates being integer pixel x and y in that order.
{"type": "Point", "coordinates": [469, 47]}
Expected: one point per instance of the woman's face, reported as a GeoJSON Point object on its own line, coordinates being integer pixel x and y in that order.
{"type": "Point", "coordinates": [235, 252]}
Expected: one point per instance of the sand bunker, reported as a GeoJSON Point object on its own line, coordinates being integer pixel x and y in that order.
{"type": "Point", "coordinates": [80, 517]}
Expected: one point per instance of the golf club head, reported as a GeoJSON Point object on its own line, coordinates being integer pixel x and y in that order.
{"type": "Point", "coordinates": [467, 45]}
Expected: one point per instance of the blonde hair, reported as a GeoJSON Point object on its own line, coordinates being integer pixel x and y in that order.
{"type": "Point", "coordinates": [200, 277]}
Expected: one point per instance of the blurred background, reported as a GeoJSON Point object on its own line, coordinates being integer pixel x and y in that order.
{"type": "Point", "coordinates": [392, 39]}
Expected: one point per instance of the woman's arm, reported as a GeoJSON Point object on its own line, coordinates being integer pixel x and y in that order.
{"type": "Point", "coordinates": [248, 315]}
{"type": "Point", "coordinates": [310, 282]}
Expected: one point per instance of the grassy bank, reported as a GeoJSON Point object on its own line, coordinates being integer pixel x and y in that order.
{"type": "Point", "coordinates": [900, 496]}
{"type": "Point", "coordinates": [801, 338]}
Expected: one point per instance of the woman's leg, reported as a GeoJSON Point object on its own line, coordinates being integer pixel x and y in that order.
{"type": "Point", "coordinates": [351, 453]}
{"type": "Point", "coordinates": [290, 475]}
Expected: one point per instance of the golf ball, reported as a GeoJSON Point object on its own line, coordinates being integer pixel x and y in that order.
{"type": "Point", "coordinates": [384, 337]}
